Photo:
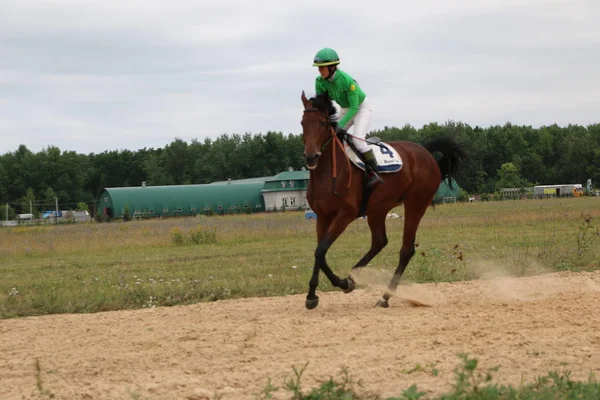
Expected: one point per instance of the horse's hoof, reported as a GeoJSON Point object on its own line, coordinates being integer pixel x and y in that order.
{"type": "Point", "coordinates": [382, 303]}
{"type": "Point", "coordinates": [312, 303]}
{"type": "Point", "coordinates": [351, 285]}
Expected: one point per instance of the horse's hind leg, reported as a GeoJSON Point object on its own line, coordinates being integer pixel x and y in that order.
{"type": "Point", "coordinates": [378, 241]}
{"type": "Point", "coordinates": [414, 209]}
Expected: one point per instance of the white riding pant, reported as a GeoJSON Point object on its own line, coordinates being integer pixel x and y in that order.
{"type": "Point", "coordinates": [361, 122]}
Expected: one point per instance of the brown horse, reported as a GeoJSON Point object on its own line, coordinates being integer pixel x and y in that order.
{"type": "Point", "coordinates": [336, 192]}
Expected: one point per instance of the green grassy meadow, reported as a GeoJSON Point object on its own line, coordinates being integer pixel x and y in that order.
{"type": "Point", "coordinates": [125, 265]}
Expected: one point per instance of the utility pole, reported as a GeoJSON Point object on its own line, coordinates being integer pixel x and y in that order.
{"type": "Point", "coordinates": [56, 200]}
{"type": "Point", "coordinates": [31, 208]}
{"type": "Point", "coordinates": [6, 214]}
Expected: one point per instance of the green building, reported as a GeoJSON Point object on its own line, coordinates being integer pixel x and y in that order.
{"type": "Point", "coordinates": [445, 194]}
{"type": "Point", "coordinates": [181, 200]}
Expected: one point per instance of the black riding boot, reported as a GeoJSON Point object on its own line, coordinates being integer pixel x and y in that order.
{"type": "Point", "coordinates": [371, 166]}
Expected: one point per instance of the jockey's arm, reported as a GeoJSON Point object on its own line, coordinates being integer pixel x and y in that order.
{"type": "Point", "coordinates": [354, 104]}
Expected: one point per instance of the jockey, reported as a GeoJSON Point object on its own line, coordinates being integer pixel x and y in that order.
{"type": "Point", "coordinates": [355, 110]}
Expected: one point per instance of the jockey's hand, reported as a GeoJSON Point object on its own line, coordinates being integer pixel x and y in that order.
{"type": "Point", "coordinates": [340, 132]}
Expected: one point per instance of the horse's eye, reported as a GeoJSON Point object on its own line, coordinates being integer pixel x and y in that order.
{"type": "Point", "coordinates": [323, 123]}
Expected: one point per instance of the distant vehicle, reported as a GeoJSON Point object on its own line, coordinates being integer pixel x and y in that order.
{"type": "Point", "coordinates": [310, 214]}
{"type": "Point", "coordinates": [81, 216]}
{"type": "Point", "coordinates": [49, 214]}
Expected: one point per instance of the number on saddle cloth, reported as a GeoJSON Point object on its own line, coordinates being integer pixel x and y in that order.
{"type": "Point", "coordinates": [385, 150]}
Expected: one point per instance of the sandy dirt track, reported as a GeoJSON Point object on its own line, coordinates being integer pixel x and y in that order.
{"type": "Point", "coordinates": [527, 326]}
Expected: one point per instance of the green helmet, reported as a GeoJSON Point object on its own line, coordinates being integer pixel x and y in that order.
{"type": "Point", "coordinates": [326, 56]}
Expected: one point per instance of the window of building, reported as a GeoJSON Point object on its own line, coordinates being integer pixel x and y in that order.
{"type": "Point", "coordinates": [283, 184]}
{"type": "Point", "coordinates": [292, 201]}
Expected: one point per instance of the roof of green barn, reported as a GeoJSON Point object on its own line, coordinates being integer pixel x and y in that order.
{"type": "Point", "coordinates": [238, 181]}
{"type": "Point", "coordinates": [186, 195]}
{"type": "Point", "coordinates": [290, 176]}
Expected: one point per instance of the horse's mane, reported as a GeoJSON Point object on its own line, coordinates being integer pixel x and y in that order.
{"type": "Point", "coordinates": [323, 103]}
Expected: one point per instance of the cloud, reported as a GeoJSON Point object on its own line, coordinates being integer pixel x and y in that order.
{"type": "Point", "coordinates": [89, 76]}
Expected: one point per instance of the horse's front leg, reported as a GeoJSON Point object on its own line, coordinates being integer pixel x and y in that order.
{"type": "Point", "coordinates": [312, 300]}
{"type": "Point", "coordinates": [328, 230]}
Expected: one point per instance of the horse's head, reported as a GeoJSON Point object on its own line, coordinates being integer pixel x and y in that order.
{"type": "Point", "coordinates": [317, 127]}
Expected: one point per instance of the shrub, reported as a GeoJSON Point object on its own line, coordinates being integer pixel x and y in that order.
{"type": "Point", "coordinates": [176, 236]}
{"type": "Point", "coordinates": [203, 234]}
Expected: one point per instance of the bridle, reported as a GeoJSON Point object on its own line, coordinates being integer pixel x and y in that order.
{"type": "Point", "coordinates": [336, 142]}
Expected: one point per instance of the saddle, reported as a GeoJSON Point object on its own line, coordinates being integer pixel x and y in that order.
{"type": "Point", "coordinates": [387, 159]}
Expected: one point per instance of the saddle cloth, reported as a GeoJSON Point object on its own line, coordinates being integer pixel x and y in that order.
{"type": "Point", "coordinates": [388, 159]}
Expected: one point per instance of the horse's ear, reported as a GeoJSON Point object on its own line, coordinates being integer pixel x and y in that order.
{"type": "Point", "coordinates": [304, 99]}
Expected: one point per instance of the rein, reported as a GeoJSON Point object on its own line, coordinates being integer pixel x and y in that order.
{"type": "Point", "coordinates": [338, 142]}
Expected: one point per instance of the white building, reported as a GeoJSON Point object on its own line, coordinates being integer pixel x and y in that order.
{"type": "Point", "coordinates": [286, 191]}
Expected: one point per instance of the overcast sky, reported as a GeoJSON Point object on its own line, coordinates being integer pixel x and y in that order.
{"type": "Point", "coordinates": [101, 75]}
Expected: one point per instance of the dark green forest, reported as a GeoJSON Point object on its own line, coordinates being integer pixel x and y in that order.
{"type": "Point", "coordinates": [500, 156]}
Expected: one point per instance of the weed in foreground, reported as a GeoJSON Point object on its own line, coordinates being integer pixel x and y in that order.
{"type": "Point", "coordinates": [587, 234]}
{"type": "Point", "coordinates": [470, 384]}
{"type": "Point", "coordinates": [38, 381]}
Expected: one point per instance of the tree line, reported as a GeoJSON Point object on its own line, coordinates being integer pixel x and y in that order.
{"type": "Point", "coordinates": [500, 156]}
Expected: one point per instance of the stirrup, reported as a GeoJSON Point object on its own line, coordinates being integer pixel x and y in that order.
{"type": "Point", "coordinates": [373, 179]}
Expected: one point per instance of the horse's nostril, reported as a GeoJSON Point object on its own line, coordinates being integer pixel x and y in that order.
{"type": "Point", "coordinates": [311, 159]}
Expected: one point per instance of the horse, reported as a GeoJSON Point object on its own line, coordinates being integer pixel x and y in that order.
{"type": "Point", "coordinates": [338, 195]}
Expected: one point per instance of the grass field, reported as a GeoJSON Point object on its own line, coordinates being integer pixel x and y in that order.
{"type": "Point", "coordinates": [125, 265]}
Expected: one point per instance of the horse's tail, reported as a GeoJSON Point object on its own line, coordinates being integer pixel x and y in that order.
{"type": "Point", "coordinates": [453, 156]}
